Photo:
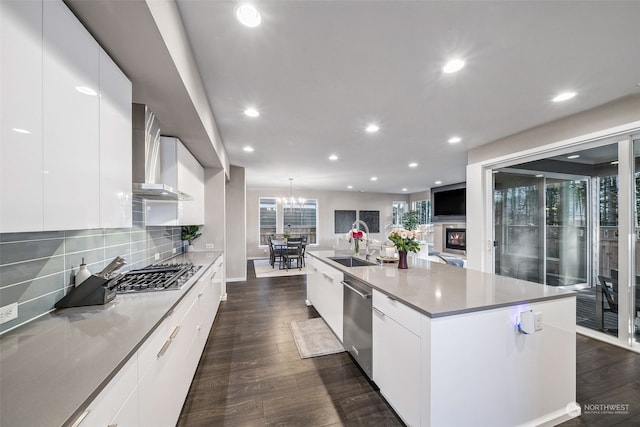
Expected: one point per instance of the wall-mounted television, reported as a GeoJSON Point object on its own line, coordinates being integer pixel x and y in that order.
{"type": "Point", "coordinates": [449, 203]}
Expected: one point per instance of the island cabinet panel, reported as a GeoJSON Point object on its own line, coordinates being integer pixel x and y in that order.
{"type": "Point", "coordinates": [396, 356]}
{"type": "Point", "coordinates": [504, 377]}
{"type": "Point", "coordinates": [325, 292]}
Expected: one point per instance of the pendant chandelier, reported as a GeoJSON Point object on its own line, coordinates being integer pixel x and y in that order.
{"type": "Point", "coordinates": [294, 204]}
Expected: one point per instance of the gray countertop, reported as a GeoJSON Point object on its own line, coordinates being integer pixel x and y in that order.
{"type": "Point", "coordinates": [439, 290]}
{"type": "Point", "coordinates": [54, 366]}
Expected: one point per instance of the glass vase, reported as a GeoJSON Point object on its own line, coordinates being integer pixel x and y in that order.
{"type": "Point", "coordinates": [356, 246]}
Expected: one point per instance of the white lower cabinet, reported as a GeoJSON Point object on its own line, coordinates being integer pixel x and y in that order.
{"type": "Point", "coordinates": [115, 397]}
{"type": "Point", "coordinates": [325, 292]}
{"type": "Point", "coordinates": [396, 357]}
{"type": "Point", "coordinates": [152, 386]}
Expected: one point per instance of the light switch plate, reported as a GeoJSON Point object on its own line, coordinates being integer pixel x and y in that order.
{"type": "Point", "coordinates": [209, 246]}
{"type": "Point", "coordinates": [156, 257]}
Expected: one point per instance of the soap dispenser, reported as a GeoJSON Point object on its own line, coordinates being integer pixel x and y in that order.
{"type": "Point", "coordinates": [83, 273]}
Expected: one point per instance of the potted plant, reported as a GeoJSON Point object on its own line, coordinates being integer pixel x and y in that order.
{"type": "Point", "coordinates": [410, 220]}
{"type": "Point", "coordinates": [189, 234]}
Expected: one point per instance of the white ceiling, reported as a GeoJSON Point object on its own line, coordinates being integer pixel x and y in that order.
{"type": "Point", "coordinates": [319, 71]}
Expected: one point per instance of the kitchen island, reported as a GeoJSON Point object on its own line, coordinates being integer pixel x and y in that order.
{"type": "Point", "coordinates": [447, 349]}
{"type": "Point", "coordinates": [63, 368]}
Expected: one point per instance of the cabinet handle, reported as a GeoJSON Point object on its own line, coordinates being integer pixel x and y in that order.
{"type": "Point", "coordinates": [198, 327]}
{"type": "Point", "coordinates": [168, 342]}
{"type": "Point", "coordinates": [328, 277]}
{"type": "Point", "coordinates": [112, 425]}
{"type": "Point", "coordinates": [81, 418]}
{"type": "Point", "coordinates": [200, 294]}
{"type": "Point", "coordinates": [174, 333]}
{"type": "Point", "coordinates": [214, 275]}
{"type": "Point", "coordinates": [364, 296]}
{"type": "Point", "coordinates": [164, 348]}
{"type": "Point", "coordinates": [378, 312]}
{"type": "Point", "coordinates": [391, 298]}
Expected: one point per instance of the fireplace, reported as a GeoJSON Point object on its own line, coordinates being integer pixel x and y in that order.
{"type": "Point", "coordinates": [455, 239]}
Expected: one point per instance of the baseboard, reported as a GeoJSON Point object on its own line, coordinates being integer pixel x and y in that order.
{"type": "Point", "coordinates": [223, 297]}
{"type": "Point", "coordinates": [553, 419]}
{"type": "Point", "coordinates": [236, 279]}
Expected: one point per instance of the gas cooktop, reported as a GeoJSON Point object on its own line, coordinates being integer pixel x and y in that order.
{"type": "Point", "coordinates": [154, 278]}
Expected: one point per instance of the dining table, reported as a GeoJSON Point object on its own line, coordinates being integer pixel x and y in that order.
{"type": "Point", "coordinates": [282, 245]}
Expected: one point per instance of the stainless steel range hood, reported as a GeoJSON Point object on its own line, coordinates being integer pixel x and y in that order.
{"type": "Point", "coordinates": [147, 173]}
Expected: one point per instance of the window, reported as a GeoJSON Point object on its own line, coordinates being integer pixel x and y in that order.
{"type": "Point", "coordinates": [399, 208]}
{"type": "Point", "coordinates": [301, 219]}
{"type": "Point", "coordinates": [268, 218]}
{"type": "Point", "coordinates": [279, 216]}
{"type": "Point", "coordinates": [423, 207]}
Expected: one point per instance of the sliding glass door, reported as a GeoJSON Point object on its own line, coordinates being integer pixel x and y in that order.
{"type": "Point", "coordinates": [541, 228]}
{"type": "Point", "coordinates": [518, 228]}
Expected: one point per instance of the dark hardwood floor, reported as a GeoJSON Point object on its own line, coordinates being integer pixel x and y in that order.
{"type": "Point", "coordinates": [606, 375]}
{"type": "Point", "coordinates": [250, 373]}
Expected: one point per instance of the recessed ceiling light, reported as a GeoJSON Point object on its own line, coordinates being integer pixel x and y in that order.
{"type": "Point", "coordinates": [248, 149]}
{"type": "Point", "coordinates": [413, 165]}
{"type": "Point", "coordinates": [374, 178]}
{"type": "Point", "coordinates": [573, 156]}
{"type": "Point", "coordinates": [349, 187]}
{"type": "Point", "coordinates": [21, 130]}
{"type": "Point", "coordinates": [564, 96]}
{"type": "Point", "coordinates": [333, 157]}
{"type": "Point", "coordinates": [438, 182]}
{"type": "Point", "coordinates": [404, 189]}
{"type": "Point", "coordinates": [248, 15]}
{"type": "Point", "coordinates": [86, 90]}
{"type": "Point", "coordinates": [453, 66]}
{"type": "Point", "coordinates": [454, 140]}
{"type": "Point", "coordinates": [251, 112]}
{"type": "Point", "coordinates": [615, 162]}
{"type": "Point", "coordinates": [372, 127]}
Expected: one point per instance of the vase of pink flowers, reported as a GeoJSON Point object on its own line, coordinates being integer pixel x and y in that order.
{"type": "Point", "coordinates": [356, 236]}
{"type": "Point", "coordinates": [405, 241]}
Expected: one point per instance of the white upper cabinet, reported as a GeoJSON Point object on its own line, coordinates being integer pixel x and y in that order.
{"type": "Point", "coordinates": [115, 145]}
{"type": "Point", "coordinates": [71, 84]}
{"type": "Point", "coordinates": [65, 147]}
{"type": "Point", "coordinates": [21, 113]}
{"type": "Point", "coordinates": [181, 171]}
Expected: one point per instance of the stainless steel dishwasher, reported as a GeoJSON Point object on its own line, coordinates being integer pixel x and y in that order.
{"type": "Point", "coordinates": [357, 336]}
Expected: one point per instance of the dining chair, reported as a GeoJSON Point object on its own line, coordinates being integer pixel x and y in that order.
{"type": "Point", "coordinates": [294, 251]}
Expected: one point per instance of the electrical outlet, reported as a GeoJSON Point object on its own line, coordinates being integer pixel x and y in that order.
{"type": "Point", "coordinates": [173, 251]}
{"type": "Point", "coordinates": [156, 257]}
{"type": "Point", "coordinates": [8, 312]}
{"type": "Point", "coordinates": [208, 246]}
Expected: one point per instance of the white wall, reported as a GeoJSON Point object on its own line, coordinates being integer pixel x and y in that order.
{"type": "Point", "coordinates": [235, 226]}
{"type": "Point", "coordinates": [416, 197]}
{"type": "Point", "coordinates": [614, 117]}
{"type": "Point", "coordinates": [328, 201]}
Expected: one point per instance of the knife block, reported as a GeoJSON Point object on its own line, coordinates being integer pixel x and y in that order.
{"type": "Point", "coordinates": [92, 291]}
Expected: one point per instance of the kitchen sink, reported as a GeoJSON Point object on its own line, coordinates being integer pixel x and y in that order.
{"type": "Point", "coordinates": [350, 261]}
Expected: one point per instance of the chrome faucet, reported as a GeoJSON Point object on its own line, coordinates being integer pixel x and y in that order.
{"type": "Point", "coordinates": [366, 230]}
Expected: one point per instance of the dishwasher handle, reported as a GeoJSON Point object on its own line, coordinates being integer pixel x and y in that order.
{"type": "Point", "coordinates": [363, 295]}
